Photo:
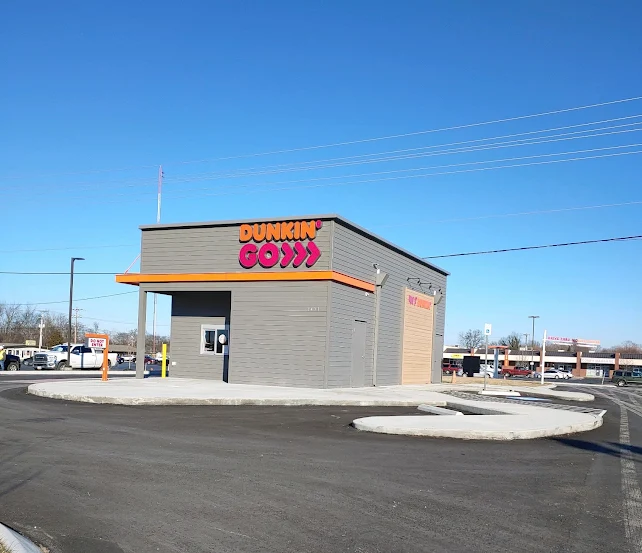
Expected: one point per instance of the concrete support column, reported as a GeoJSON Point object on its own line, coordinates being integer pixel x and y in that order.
{"type": "Point", "coordinates": [616, 366]}
{"type": "Point", "coordinates": [578, 364]}
{"type": "Point", "coordinates": [142, 333]}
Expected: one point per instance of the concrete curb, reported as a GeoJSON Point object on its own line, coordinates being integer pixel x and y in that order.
{"type": "Point", "coordinates": [421, 426]}
{"type": "Point", "coordinates": [439, 410]}
{"type": "Point", "coordinates": [279, 402]}
{"type": "Point", "coordinates": [16, 542]}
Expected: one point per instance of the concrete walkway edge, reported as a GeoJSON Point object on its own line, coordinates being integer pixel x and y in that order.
{"type": "Point", "coordinates": [16, 542]}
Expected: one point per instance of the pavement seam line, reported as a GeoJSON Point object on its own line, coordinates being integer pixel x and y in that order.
{"type": "Point", "coordinates": [630, 488]}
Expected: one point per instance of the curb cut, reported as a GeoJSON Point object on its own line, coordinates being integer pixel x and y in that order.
{"type": "Point", "coordinates": [17, 543]}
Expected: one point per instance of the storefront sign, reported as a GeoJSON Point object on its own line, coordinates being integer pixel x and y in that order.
{"type": "Point", "coordinates": [573, 341]}
{"type": "Point", "coordinates": [420, 302]}
{"type": "Point", "coordinates": [293, 251]}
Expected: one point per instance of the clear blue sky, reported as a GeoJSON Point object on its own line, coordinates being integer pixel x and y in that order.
{"type": "Point", "coordinates": [95, 96]}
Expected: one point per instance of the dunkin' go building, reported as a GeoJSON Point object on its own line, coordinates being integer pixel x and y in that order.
{"type": "Point", "coordinates": [312, 301]}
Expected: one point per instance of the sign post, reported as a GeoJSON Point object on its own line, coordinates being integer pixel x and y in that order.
{"type": "Point", "coordinates": [164, 362]}
{"type": "Point", "coordinates": [487, 331]}
{"type": "Point", "coordinates": [542, 361]}
{"type": "Point", "coordinates": [100, 341]}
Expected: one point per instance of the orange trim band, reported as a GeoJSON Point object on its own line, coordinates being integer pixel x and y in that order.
{"type": "Point", "coordinates": [138, 278]}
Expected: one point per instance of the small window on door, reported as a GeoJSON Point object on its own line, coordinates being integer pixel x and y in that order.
{"type": "Point", "coordinates": [214, 339]}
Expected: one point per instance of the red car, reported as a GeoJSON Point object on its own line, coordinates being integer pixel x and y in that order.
{"type": "Point", "coordinates": [516, 371]}
{"type": "Point", "coordinates": [450, 369]}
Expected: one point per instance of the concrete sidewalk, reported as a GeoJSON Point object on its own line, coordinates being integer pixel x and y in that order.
{"type": "Point", "coordinates": [187, 391]}
{"type": "Point", "coordinates": [492, 420]}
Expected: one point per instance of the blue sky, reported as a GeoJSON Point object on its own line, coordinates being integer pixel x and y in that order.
{"type": "Point", "coordinates": [95, 97]}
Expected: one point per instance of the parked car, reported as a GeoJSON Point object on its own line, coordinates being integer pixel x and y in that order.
{"type": "Point", "coordinates": [516, 371]}
{"type": "Point", "coordinates": [554, 374]}
{"type": "Point", "coordinates": [28, 362]}
{"type": "Point", "coordinates": [11, 363]}
{"type": "Point", "coordinates": [624, 378]}
{"type": "Point", "coordinates": [488, 369]}
{"type": "Point", "coordinates": [450, 369]}
{"type": "Point", "coordinates": [82, 357]}
{"type": "Point", "coordinates": [155, 369]}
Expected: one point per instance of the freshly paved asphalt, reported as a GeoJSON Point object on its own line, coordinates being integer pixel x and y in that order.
{"type": "Point", "coordinates": [82, 478]}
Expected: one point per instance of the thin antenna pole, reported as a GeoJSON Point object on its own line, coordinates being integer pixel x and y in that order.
{"type": "Point", "coordinates": [158, 220]}
{"type": "Point", "coordinates": [159, 194]}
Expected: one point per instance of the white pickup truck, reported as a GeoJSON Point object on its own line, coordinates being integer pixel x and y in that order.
{"type": "Point", "coordinates": [82, 357]}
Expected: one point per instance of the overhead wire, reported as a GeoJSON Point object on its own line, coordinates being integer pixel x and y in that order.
{"type": "Point", "coordinates": [341, 143]}
{"type": "Point", "coordinates": [423, 132]}
{"type": "Point", "coordinates": [463, 164]}
{"type": "Point", "coordinates": [524, 248]}
{"type": "Point", "coordinates": [79, 299]}
{"type": "Point", "coordinates": [309, 164]}
{"type": "Point", "coordinates": [263, 187]}
{"type": "Point", "coordinates": [294, 168]}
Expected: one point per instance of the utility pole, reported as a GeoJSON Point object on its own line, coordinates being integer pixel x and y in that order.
{"type": "Point", "coordinates": [41, 326]}
{"type": "Point", "coordinates": [525, 345]}
{"type": "Point", "coordinates": [76, 315]}
{"type": "Point", "coordinates": [158, 220]}
{"type": "Point", "coordinates": [71, 301]}
{"type": "Point", "coordinates": [533, 344]}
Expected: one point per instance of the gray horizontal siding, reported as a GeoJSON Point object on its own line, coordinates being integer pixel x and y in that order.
{"type": "Point", "coordinates": [354, 254]}
{"type": "Point", "coordinates": [278, 330]}
{"type": "Point", "coordinates": [210, 250]}
{"type": "Point", "coordinates": [190, 310]}
{"type": "Point", "coordinates": [347, 305]}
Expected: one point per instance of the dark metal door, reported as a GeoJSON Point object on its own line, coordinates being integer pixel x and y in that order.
{"type": "Point", "coordinates": [358, 354]}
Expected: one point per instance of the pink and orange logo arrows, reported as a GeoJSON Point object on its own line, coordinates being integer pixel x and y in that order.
{"type": "Point", "coordinates": [268, 255]}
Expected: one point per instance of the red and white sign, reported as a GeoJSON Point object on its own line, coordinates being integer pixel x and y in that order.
{"type": "Point", "coordinates": [98, 343]}
{"type": "Point", "coordinates": [572, 341]}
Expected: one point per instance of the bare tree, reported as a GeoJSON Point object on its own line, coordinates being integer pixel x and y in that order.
{"type": "Point", "coordinates": [628, 347]}
{"type": "Point", "coordinates": [471, 339]}
{"type": "Point", "coordinates": [513, 341]}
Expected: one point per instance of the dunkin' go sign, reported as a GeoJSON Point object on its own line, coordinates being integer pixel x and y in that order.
{"type": "Point", "coordinates": [289, 243]}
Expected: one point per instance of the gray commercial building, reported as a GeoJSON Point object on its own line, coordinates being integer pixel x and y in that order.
{"type": "Point", "coordinates": [312, 301]}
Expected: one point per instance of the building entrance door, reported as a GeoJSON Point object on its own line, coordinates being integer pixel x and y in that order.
{"type": "Point", "coordinates": [357, 377]}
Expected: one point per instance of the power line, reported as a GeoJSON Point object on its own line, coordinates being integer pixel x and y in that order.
{"type": "Point", "coordinates": [438, 150]}
{"type": "Point", "coordinates": [516, 214]}
{"type": "Point", "coordinates": [359, 159]}
{"type": "Point", "coordinates": [425, 175]}
{"type": "Point", "coordinates": [345, 143]}
{"type": "Point", "coordinates": [430, 167]}
{"type": "Point", "coordinates": [416, 133]}
{"type": "Point", "coordinates": [80, 299]}
{"type": "Point", "coordinates": [254, 187]}
{"type": "Point", "coordinates": [71, 248]}
{"type": "Point", "coordinates": [524, 248]}
{"type": "Point", "coordinates": [54, 273]}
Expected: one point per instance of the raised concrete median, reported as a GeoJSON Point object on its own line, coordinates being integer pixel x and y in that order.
{"type": "Point", "coordinates": [483, 419]}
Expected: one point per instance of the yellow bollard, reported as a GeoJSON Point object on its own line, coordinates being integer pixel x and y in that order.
{"type": "Point", "coordinates": [164, 362]}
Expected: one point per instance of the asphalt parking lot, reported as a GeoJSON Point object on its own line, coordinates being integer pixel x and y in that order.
{"type": "Point", "coordinates": [81, 478]}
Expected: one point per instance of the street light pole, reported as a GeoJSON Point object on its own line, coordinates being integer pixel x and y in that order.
{"type": "Point", "coordinates": [71, 301]}
{"type": "Point", "coordinates": [533, 343]}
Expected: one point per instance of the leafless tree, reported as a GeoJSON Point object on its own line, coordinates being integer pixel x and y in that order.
{"type": "Point", "coordinates": [471, 339]}
{"type": "Point", "coordinates": [513, 341]}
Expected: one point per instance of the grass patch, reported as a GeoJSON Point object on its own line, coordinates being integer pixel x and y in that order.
{"type": "Point", "coordinates": [4, 548]}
